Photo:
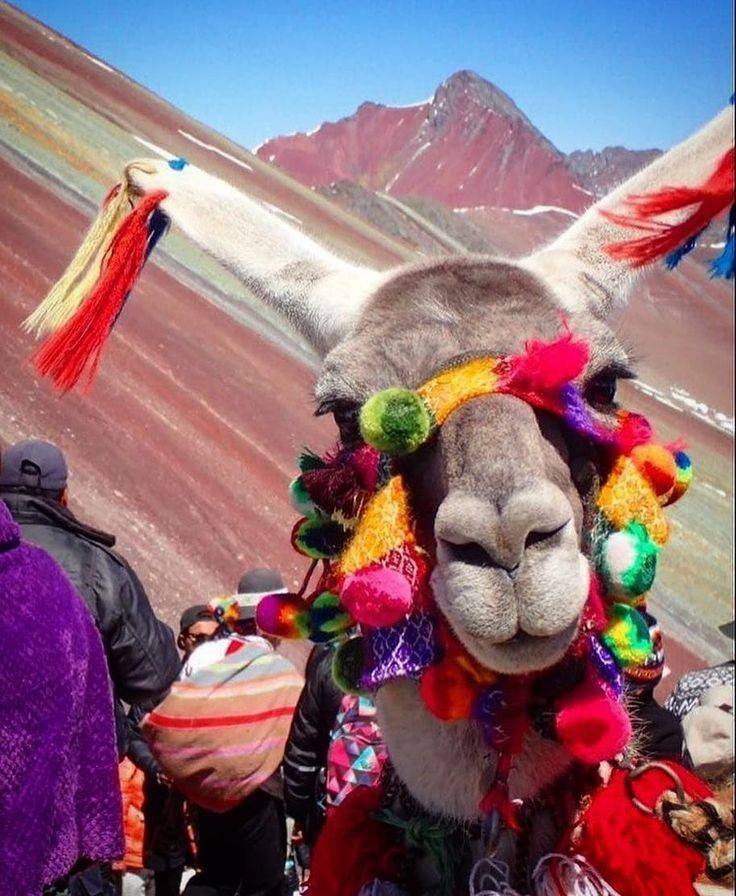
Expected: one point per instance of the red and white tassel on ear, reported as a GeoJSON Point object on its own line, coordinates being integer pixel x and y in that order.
{"type": "Point", "coordinates": [707, 202]}
{"type": "Point", "coordinates": [77, 345]}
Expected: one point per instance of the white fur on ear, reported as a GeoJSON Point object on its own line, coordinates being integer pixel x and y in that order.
{"type": "Point", "coordinates": [318, 293]}
{"type": "Point", "coordinates": [575, 266]}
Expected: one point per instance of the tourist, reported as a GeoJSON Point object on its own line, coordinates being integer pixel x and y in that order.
{"type": "Point", "coordinates": [305, 759]}
{"type": "Point", "coordinates": [243, 850]}
{"type": "Point", "coordinates": [60, 806]}
{"type": "Point", "coordinates": [140, 649]}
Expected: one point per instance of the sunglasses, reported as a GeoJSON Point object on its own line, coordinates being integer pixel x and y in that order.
{"type": "Point", "coordinates": [198, 639]}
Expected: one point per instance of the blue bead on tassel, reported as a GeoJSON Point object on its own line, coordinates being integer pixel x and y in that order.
{"type": "Point", "coordinates": [178, 164]}
{"type": "Point", "coordinates": [725, 264]}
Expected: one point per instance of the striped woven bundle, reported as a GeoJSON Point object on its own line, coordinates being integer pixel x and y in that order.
{"type": "Point", "coordinates": [221, 733]}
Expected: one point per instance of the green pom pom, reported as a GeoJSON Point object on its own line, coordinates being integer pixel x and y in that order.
{"type": "Point", "coordinates": [627, 636]}
{"type": "Point", "coordinates": [347, 665]}
{"type": "Point", "coordinates": [319, 538]}
{"type": "Point", "coordinates": [628, 562]}
{"type": "Point", "coordinates": [395, 421]}
{"type": "Point", "coordinates": [328, 619]}
{"type": "Point", "coordinates": [300, 500]}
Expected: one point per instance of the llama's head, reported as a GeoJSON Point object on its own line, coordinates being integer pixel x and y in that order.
{"type": "Point", "coordinates": [503, 487]}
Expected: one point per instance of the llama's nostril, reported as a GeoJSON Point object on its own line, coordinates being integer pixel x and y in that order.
{"type": "Point", "coordinates": [543, 538]}
{"type": "Point", "coordinates": [474, 554]}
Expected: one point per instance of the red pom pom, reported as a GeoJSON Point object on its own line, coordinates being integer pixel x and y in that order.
{"type": "Point", "coordinates": [637, 854]}
{"type": "Point", "coordinates": [549, 365]}
{"type": "Point", "coordinates": [449, 692]}
{"type": "Point", "coordinates": [353, 848]}
{"type": "Point", "coordinates": [592, 725]}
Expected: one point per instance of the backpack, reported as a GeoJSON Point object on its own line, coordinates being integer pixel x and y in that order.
{"type": "Point", "coordinates": [356, 754]}
{"type": "Point", "coordinates": [220, 733]}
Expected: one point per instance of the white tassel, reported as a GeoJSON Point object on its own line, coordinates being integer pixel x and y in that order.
{"type": "Point", "coordinates": [559, 875]}
{"type": "Point", "coordinates": [490, 877]}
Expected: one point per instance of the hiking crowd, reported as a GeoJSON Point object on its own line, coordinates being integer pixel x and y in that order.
{"type": "Point", "coordinates": [128, 766]}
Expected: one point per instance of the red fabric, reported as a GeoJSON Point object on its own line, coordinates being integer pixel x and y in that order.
{"type": "Point", "coordinates": [636, 853]}
{"type": "Point", "coordinates": [79, 343]}
{"type": "Point", "coordinates": [353, 848]}
{"type": "Point", "coordinates": [708, 201]}
{"type": "Point", "coordinates": [634, 429]}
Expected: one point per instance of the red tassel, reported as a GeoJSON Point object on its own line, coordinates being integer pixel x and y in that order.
{"type": "Point", "coordinates": [712, 198]}
{"type": "Point", "coordinates": [79, 343]}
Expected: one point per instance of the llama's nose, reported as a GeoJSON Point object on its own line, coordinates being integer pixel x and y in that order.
{"type": "Point", "coordinates": [477, 532]}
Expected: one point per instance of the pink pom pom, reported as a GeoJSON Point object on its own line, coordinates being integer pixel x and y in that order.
{"type": "Point", "coordinates": [376, 596]}
{"type": "Point", "coordinates": [591, 725]}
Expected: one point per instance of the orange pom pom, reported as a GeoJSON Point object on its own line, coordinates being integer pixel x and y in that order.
{"type": "Point", "coordinates": [657, 465]}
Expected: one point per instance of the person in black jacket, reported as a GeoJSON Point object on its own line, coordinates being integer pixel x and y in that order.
{"type": "Point", "coordinates": [141, 651]}
{"type": "Point", "coordinates": [305, 757]}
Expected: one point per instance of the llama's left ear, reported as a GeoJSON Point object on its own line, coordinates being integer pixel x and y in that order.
{"type": "Point", "coordinates": [596, 261]}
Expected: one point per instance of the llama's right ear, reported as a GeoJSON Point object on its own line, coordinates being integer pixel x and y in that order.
{"type": "Point", "coordinates": [596, 261]}
{"type": "Point", "coordinates": [320, 294]}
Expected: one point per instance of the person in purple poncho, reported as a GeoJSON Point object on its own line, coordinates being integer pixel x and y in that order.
{"type": "Point", "coordinates": [60, 804]}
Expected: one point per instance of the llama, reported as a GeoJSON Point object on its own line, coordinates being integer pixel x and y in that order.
{"type": "Point", "coordinates": [507, 496]}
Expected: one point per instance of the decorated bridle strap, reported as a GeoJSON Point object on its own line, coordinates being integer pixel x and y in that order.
{"type": "Point", "coordinates": [398, 421]}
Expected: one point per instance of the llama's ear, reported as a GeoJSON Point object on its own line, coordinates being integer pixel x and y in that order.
{"type": "Point", "coordinates": [320, 294]}
{"type": "Point", "coordinates": [596, 261]}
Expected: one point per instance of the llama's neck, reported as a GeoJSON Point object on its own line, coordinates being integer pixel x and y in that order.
{"type": "Point", "coordinates": [446, 766]}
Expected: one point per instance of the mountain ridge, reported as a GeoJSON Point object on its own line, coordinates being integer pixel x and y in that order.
{"type": "Point", "coordinates": [468, 145]}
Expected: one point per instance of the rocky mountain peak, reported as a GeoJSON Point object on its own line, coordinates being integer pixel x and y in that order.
{"type": "Point", "coordinates": [466, 87]}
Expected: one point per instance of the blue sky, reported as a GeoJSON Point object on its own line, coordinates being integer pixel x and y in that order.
{"type": "Point", "coordinates": [588, 74]}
